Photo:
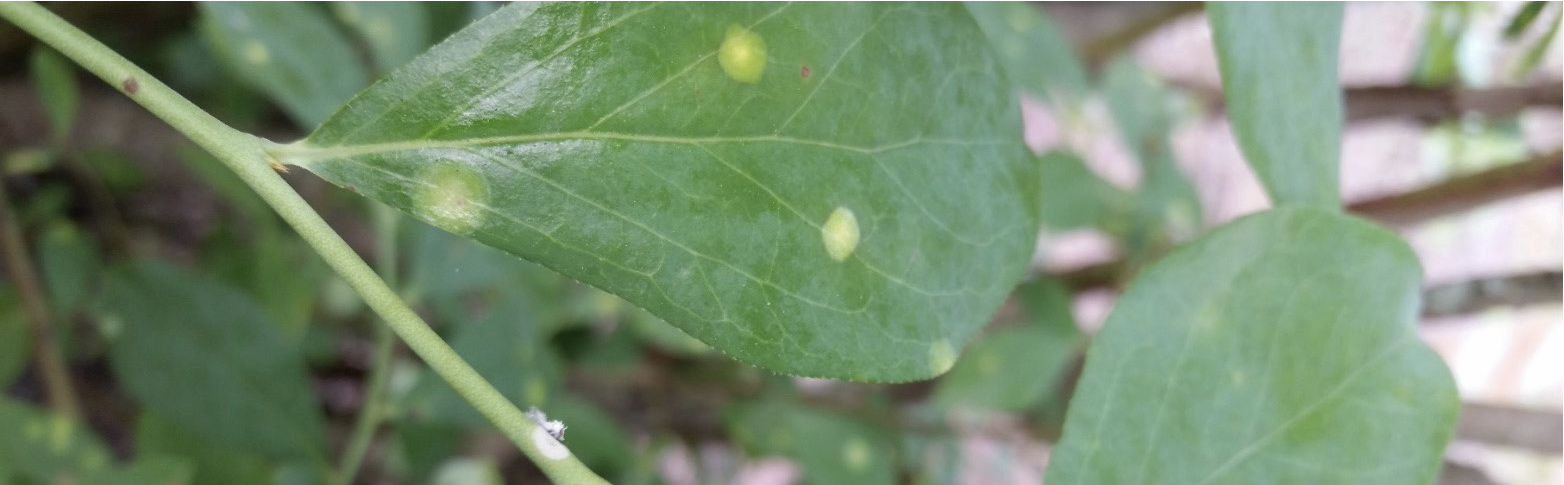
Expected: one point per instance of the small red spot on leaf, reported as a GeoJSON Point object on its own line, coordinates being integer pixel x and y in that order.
{"type": "Point", "coordinates": [130, 85]}
{"type": "Point", "coordinates": [805, 71]}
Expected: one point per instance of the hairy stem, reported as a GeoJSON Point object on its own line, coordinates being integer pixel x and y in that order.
{"type": "Point", "coordinates": [51, 363]}
{"type": "Point", "coordinates": [244, 154]}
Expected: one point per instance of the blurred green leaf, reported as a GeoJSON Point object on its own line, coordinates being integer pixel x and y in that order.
{"type": "Point", "coordinates": [55, 80]}
{"type": "Point", "coordinates": [396, 32]}
{"type": "Point", "coordinates": [276, 270]}
{"type": "Point", "coordinates": [692, 204]}
{"type": "Point", "coordinates": [593, 435]}
{"type": "Point", "coordinates": [1012, 368]}
{"type": "Point", "coordinates": [152, 469]}
{"type": "Point", "coordinates": [213, 463]}
{"type": "Point", "coordinates": [829, 448]}
{"type": "Point", "coordinates": [1533, 56]}
{"type": "Point", "coordinates": [15, 342]}
{"type": "Point", "coordinates": [288, 50]}
{"type": "Point", "coordinates": [119, 173]}
{"type": "Point", "coordinates": [1035, 53]}
{"type": "Point", "coordinates": [1166, 208]}
{"type": "Point", "coordinates": [1278, 63]}
{"type": "Point", "coordinates": [1279, 348]}
{"type": "Point", "coordinates": [28, 160]}
{"type": "Point", "coordinates": [505, 348]}
{"type": "Point", "coordinates": [1075, 197]}
{"type": "Point", "coordinates": [47, 447]}
{"type": "Point", "coordinates": [419, 447]}
{"type": "Point", "coordinates": [1523, 19]}
{"type": "Point", "coordinates": [1437, 63]}
{"type": "Point", "coordinates": [198, 349]}
{"type": "Point", "coordinates": [71, 265]}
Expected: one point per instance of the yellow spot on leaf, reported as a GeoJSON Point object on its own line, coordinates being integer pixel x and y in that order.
{"type": "Point", "coordinates": [742, 55]}
{"type": "Point", "coordinates": [941, 356]}
{"type": "Point", "coordinates": [856, 454]}
{"type": "Point", "coordinates": [256, 53]}
{"type": "Point", "coordinates": [840, 233]}
{"type": "Point", "coordinates": [454, 197]}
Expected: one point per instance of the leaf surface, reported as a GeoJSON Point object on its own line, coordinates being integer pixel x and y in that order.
{"type": "Point", "coordinates": [1279, 348]}
{"type": "Point", "coordinates": [191, 346]}
{"type": "Point", "coordinates": [833, 190]}
{"type": "Point", "coordinates": [288, 50]}
{"type": "Point", "coordinates": [1278, 63]}
{"type": "Point", "coordinates": [1035, 52]}
{"type": "Point", "coordinates": [1012, 368]}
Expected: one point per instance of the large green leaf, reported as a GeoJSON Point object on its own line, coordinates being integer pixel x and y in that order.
{"type": "Point", "coordinates": [830, 190]}
{"type": "Point", "coordinates": [1277, 349]}
{"type": "Point", "coordinates": [288, 50]}
{"type": "Point", "coordinates": [192, 347]}
{"type": "Point", "coordinates": [1035, 53]}
{"type": "Point", "coordinates": [1278, 63]}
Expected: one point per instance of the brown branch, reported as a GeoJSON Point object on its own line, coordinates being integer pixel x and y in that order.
{"type": "Point", "coordinates": [1458, 474]}
{"type": "Point", "coordinates": [1097, 50]}
{"type": "Point", "coordinates": [57, 380]}
{"type": "Point", "coordinates": [1532, 429]}
{"type": "Point", "coordinates": [1464, 192]}
{"type": "Point", "coordinates": [1483, 293]}
{"type": "Point", "coordinates": [1447, 197]}
{"type": "Point", "coordinates": [1425, 104]}
{"type": "Point", "coordinates": [1433, 104]}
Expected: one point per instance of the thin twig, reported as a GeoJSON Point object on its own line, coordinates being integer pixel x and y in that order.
{"type": "Point", "coordinates": [51, 362]}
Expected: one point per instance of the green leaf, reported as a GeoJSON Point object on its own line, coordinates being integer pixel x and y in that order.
{"type": "Point", "coordinates": [1278, 63]}
{"type": "Point", "coordinates": [198, 349]}
{"type": "Point", "coordinates": [47, 447]}
{"type": "Point", "coordinates": [1036, 54]}
{"type": "Point", "coordinates": [830, 448]}
{"type": "Point", "coordinates": [1522, 19]}
{"type": "Point", "coordinates": [55, 81]}
{"type": "Point", "coordinates": [396, 32]}
{"type": "Point", "coordinates": [289, 50]}
{"type": "Point", "coordinates": [213, 462]}
{"type": "Point", "coordinates": [1074, 196]}
{"type": "Point", "coordinates": [1533, 56]}
{"type": "Point", "coordinates": [810, 221]}
{"type": "Point", "coordinates": [1012, 368]}
{"type": "Point", "coordinates": [70, 264]}
{"type": "Point", "coordinates": [1279, 348]}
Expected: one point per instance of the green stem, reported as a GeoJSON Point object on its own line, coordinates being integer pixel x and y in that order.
{"type": "Point", "coordinates": [373, 411]}
{"type": "Point", "coordinates": [244, 154]}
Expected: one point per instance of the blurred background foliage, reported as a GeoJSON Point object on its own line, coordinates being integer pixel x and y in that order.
{"type": "Point", "coordinates": [155, 274]}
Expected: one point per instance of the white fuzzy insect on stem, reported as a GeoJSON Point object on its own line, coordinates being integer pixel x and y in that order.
{"type": "Point", "coordinates": [554, 428]}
